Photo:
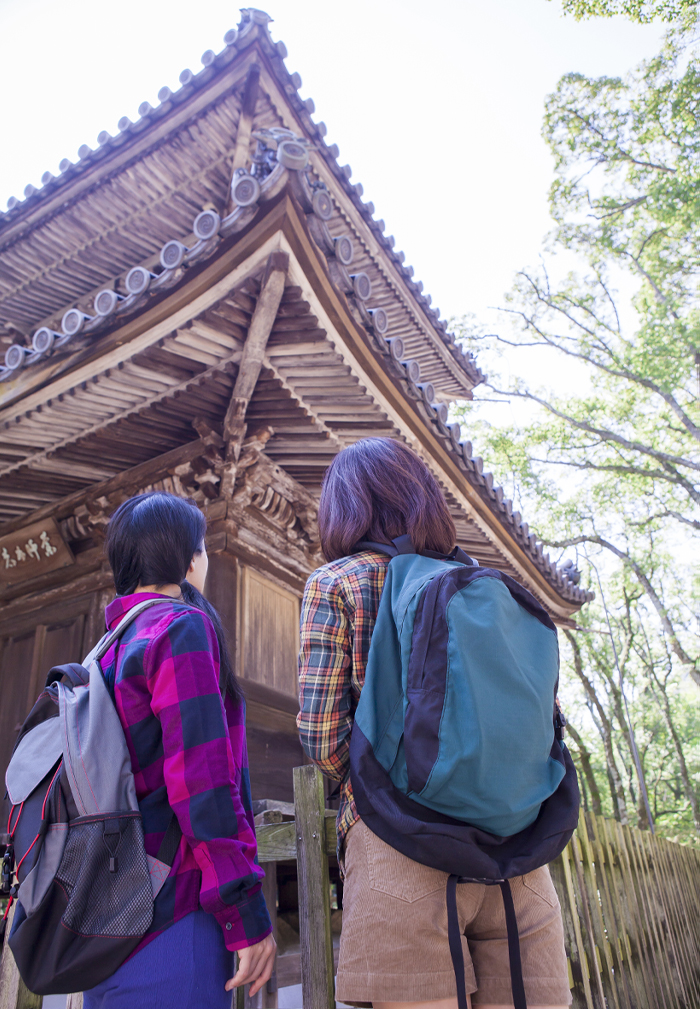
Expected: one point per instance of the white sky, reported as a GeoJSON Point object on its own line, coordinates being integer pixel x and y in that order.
{"type": "Point", "coordinates": [436, 106]}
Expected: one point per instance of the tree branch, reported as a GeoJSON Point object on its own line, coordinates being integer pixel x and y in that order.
{"type": "Point", "coordinates": [649, 590]}
{"type": "Point", "coordinates": [600, 432]}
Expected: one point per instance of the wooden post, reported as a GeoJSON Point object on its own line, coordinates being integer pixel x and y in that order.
{"type": "Point", "coordinates": [266, 998]}
{"type": "Point", "coordinates": [269, 992]}
{"type": "Point", "coordinates": [14, 993]}
{"type": "Point", "coordinates": [314, 890]}
{"type": "Point", "coordinates": [238, 996]}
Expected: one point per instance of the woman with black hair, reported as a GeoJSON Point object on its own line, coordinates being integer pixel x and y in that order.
{"type": "Point", "coordinates": [183, 716]}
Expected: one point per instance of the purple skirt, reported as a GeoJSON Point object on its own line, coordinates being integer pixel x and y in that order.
{"type": "Point", "coordinates": [185, 967]}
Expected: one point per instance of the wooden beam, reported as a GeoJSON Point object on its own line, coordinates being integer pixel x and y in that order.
{"type": "Point", "coordinates": [245, 124]}
{"type": "Point", "coordinates": [140, 475]}
{"type": "Point", "coordinates": [252, 361]}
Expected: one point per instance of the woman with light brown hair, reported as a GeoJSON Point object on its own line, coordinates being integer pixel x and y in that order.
{"type": "Point", "coordinates": [394, 943]}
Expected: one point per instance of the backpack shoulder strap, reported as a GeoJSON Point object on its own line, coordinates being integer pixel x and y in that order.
{"type": "Point", "coordinates": [404, 545]}
{"type": "Point", "coordinates": [72, 671]}
{"type": "Point", "coordinates": [105, 643]}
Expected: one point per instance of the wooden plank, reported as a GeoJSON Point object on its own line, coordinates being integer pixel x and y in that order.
{"type": "Point", "coordinates": [640, 959]}
{"type": "Point", "coordinates": [277, 842]}
{"type": "Point", "coordinates": [314, 890]}
{"type": "Point", "coordinates": [558, 875]}
{"type": "Point", "coordinates": [586, 897]}
{"type": "Point", "coordinates": [656, 920]}
{"type": "Point", "coordinates": [584, 998]}
{"type": "Point", "coordinates": [688, 913]}
{"type": "Point", "coordinates": [612, 923]}
{"type": "Point", "coordinates": [592, 871]}
{"type": "Point", "coordinates": [14, 994]}
{"type": "Point", "coordinates": [661, 887]}
{"type": "Point", "coordinates": [680, 921]}
{"type": "Point", "coordinates": [33, 550]}
{"type": "Point", "coordinates": [268, 995]}
{"type": "Point", "coordinates": [655, 954]}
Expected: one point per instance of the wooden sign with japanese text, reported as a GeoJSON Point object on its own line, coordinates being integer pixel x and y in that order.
{"type": "Point", "coordinates": [32, 551]}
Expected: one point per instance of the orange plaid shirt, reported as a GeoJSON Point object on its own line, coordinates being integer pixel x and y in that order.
{"type": "Point", "coordinates": [338, 612]}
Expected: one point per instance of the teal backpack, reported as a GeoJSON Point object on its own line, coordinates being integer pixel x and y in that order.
{"type": "Point", "coordinates": [456, 757]}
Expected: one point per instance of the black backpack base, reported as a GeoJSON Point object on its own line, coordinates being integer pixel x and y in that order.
{"type": "Point", "coordinates": [52, 960]}
{"type": "Point", "coordinates": [454, 846]}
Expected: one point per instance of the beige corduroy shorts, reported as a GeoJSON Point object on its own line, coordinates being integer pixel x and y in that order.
{"type": "Point", "coordinates": [394, 947]}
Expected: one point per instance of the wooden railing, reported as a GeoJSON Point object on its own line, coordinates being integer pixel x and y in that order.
{"type": "Point", "coordinates": [630, 901]}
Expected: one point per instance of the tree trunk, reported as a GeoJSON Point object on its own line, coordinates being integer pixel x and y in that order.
{"type": "Point", "coordinates": [584, 756]}
{"type": "Point", "coordinates": [606, 733]}
{"type": "Point", "coordinates": [689, 790]}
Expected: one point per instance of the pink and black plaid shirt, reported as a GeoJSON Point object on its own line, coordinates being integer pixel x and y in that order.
{"type": "Point", "coordinates": [189, 756]}
{"type": "Point", "coordinates": [338, 613]}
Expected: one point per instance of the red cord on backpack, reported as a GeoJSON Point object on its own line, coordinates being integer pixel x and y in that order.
{"type": "Point", "coordinates": [41, 832]}
{"type": "Point", "coordinates": [9, 819]}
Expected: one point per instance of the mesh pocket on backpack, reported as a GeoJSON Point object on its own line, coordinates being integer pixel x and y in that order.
{"type": "Point", "coordinates": [100, 902]}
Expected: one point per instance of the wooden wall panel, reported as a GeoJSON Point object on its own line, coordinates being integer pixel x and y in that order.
{"type": "Point", "coordinates": [274, 749]}
{"type": "Point", "coordinates": [272, 755]}
{"type": "Point", "coordinates": [46, 638]}
{"type": "Point", "coordinates": [60, 643]}
{"type": "Point", "coordinates": [269, 633]}
{"type": "Point", "coordinates": [222, 591]}
{"type": "Point", "coordinates": [16, 657]}
{"type": "Point", "coordinates": [261, 621]}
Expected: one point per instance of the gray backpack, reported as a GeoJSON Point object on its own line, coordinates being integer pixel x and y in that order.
{"type": "Point", "coordinates": [85, 885]}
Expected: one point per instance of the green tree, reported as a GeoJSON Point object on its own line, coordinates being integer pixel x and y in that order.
{"type": "Point", "coordinates": [610, 462]}
{"type": "Point", "coordinates": [643, 11]}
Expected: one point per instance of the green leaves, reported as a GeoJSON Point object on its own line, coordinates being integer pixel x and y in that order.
{"type": "Point", "coordinates": [643, 11]}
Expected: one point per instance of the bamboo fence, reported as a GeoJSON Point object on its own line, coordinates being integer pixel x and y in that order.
{"type": "Point", "coordinates": [631, 907]}
{"type": "Point", "coordinates": [630, 902]}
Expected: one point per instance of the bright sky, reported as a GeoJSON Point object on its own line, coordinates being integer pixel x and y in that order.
{"type": "Point", "coordinates": [436, 106]}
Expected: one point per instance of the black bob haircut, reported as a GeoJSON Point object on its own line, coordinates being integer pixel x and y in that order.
{"type": "Point", "coordinates": [151, 540]}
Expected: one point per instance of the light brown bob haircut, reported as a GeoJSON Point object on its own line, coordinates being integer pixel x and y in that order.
{"type": "Point", "coordinates": [378, 489]}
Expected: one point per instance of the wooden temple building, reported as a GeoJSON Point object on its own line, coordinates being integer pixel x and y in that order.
{"type": "Point", "coordinates": [204, 303]}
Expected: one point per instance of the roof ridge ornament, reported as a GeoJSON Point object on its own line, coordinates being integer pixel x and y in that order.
{"type": "Point", "coordinates": [251, 16]}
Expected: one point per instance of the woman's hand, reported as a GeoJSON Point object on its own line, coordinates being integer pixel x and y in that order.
{"type": "Point", "coordinates": [255, 965]}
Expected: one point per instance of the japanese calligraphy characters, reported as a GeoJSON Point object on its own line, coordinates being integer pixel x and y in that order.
{"type": "Point", "coordinates": [34, 550]}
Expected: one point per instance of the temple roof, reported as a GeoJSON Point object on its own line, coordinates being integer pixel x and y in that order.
{"type": "Point", "coordinates": [123, 199]}
{"type": "Point", "coordinates": [116, 236]}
